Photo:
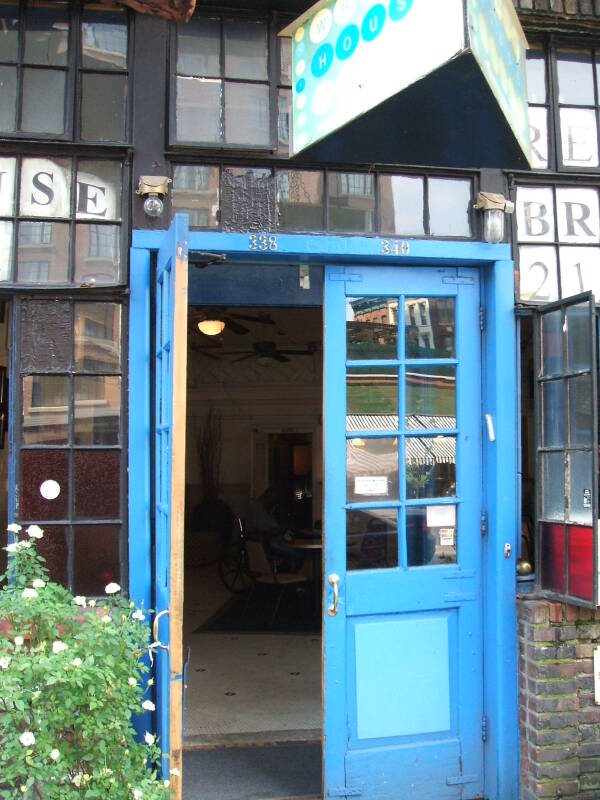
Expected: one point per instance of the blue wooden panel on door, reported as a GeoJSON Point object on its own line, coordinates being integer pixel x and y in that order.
{"type": "Point", "coordinates": [404, 654]}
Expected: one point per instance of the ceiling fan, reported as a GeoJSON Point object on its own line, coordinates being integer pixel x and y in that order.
{"type": "Point", "coordinates": [265, 352]}
{"type": "Point", "coordinates": [212, 321]}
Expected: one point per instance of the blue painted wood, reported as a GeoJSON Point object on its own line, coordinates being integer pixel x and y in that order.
{"type": "Point", "coordinates": [374, 748]}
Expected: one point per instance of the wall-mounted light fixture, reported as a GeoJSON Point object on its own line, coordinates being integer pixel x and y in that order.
{"type": "Point", "coordinates": [153, 188]}
{"type": "Point", "coordinates": [211, 327]}
{"type": "Point", "coordinates": [494, 207]}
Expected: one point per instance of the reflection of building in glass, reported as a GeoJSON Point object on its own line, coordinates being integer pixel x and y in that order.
{"type": "Point", "coordinates": [196, 192]}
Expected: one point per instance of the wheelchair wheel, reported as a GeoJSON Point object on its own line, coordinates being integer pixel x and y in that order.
{"type": "Point", "coordinates": [233, 569]}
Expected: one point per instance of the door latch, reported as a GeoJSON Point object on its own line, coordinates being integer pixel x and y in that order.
{"type": "Point", "coordinates": [507, 550]}
{"type": "Point", "coordinates": [334, 582]}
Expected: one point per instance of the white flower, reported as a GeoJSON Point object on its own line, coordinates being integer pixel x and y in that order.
{"type": "Point", "coordinates": [166, 784]}
{"type": "Point", "coordinates": [92, 603]}
{"type": "Point", "coordinates": [106, 618]}
{"type": "Point", "coordinates": [4, 662]}
{"type": "Point", "coordinates": [38, 583]}
{"type": "Point", "coordinates": [137, 794]}
{"type": "Point", "coordinates": [175, 772]}
{"type": "Point", "coordinates": [12, 547]}
{"type": "Point", "coordinates": [150, 682]}
{"type": "Point", "coordinates": [138, 615]}
{"type": "Point", "coordinates": [77, 662]}
{"type": "Point", "coordinates": [18, 641]}
{"type": "Point", "coordinates": [13, 527]}
{"type": "Point", "coordinates": [79, 600]}
{"type": "Point", "coordinates": [58, 646]}
{"type": "Point", "coordinates": [35, 532]}
{"type": "Point", "coordinates": [27, 593]}
{"type": "Point", "coordinates": [149, 739]}
{"type": "Point", "coordinates": [54, 754]}
{"type": "Point", "coordinates": [148, 705]}
{"type": "Point", "coordinates": [132, 682]}
{"type": "Point", "coordinates": [112, 588]}
{"type": "Point", "coordinates": [23, 544]}
{"type": "Point", "coordinates": [27, 739]}
{"type": "Point", "coordinates": [76, 780]}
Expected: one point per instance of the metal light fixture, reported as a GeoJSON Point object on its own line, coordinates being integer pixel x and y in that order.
{"type": "Point", "coordinates": [211, 327]}
{"type": "Point", "coordinates": [153, 188]}
{"type": "Point", "coordinates": [494, 207]}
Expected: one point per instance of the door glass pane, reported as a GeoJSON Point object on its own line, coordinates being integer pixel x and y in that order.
{"type": "Point", "coordinates": [97, 254]}
{"type": "Point", "coordinates": [103, 99]}
{"type": "Point", "coordinates": [372, 327]}
{"type": "Point", "coordinates": [372, 539]}
{"type": "Point", "coordinates": [199, 48]}
{"type": "Point", "coordinates": [553, 557]}
{"type": "Point", "coordinates": [430, 466]}
{"type": "Point", "coordinates": [247, 114]}
{"type": "Point", "coordinates": [47, 34]}
{"type": "Point", "coordinates": [45, 409]}
{"type": "Point", "coordinates": [196, 192]}
{"type": "Point", "coordinates": [43, 252]}
{"type": "Point", "coordinates": [198, 113]}
{"type": "Point", "coordinates": [575, 77]}
{"type": "Point", "coordinates": [245, 50]}
{"type": "Point", "coordinates": [430, 397]}
{"type": "Point", "coordinates": [581, 562]}
{"type": "Point", "coordinates": [401, 201]}
{"type": "Point", "coordinates": [97, 483]}
{"type": "Point", "coordinates": [351, 202]}
{"type": "Point", "coordinates": [580, 343]}
{"type": "Point", "coordinates": [429, 327]}
{"type": "Point", "coordinates": [299, 200]}
{"type": "Point", "coordinates": [97, 409]}
{"type": "Point", "coordinates": [9, 30]}
{"type": "Point", "coordinates": [372, 469]}
{"type": "Point", "coordinates": [37, 468]}
{"type": "Point", "coordinates": [580, 411]}
{"type": "Point", "coordinates": [581, 476]}
{"type": "Point", "coordinates": [104, 39]}
{"type": "Point", "coordinates": [553, 488]}
{"type": "Point", "coordinates": [39, 116]}
{"type": "Point", "coordinates": [372, 399]}
{"type": "Point", "coordinates": [449, 207]}
{"type": "Point", "coordinates": [431, 535]}
{"type": "Point", "coordinates": [552, 341]}
{"type": "Point", "coordinates": [553, 413]}
{"type": "Point", "coordinates": [98, 190]}
{"type": "Point", "coordinates": [96, 558]}
{"type": "Point", "coordinates": [97, 337]}
{"type": "Point", "coordinates": [8, 106]}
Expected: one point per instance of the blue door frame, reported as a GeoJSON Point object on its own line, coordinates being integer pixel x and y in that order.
{"type": "Point", "coordinates": [499, 359]}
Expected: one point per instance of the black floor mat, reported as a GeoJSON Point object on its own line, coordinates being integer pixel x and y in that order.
{"type": "Point", "coordinates": [248, 773]}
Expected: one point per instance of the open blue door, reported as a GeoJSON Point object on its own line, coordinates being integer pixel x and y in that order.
{"type": "Point", "coordinates": [170, 400]}
{"type": "Point", "coordinates": [403, 649]}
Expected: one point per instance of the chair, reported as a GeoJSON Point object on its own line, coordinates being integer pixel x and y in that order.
{"type": "Point", "coordinates": [264, 571]}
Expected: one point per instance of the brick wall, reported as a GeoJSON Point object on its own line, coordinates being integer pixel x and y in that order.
{"type": "Point", "coordinates": [559, 722]}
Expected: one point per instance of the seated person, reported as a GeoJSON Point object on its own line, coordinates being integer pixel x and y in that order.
{"type": "Point", "coordinates": [263, 519]}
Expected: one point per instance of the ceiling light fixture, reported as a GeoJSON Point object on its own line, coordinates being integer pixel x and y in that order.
{"type": "Point", "coordinates": [211, 327]}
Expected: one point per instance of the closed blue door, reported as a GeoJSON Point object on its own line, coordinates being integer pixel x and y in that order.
{"type": "Point", "coordinates": [403, 504]}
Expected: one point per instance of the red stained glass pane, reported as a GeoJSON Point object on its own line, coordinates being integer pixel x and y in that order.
{"type": "Point", "coordinates": [97, 484]}
{"type": "Point", "coordinates": [37, 468]}
{"type": "Point", "coordinates": [53, 546]}
{"type": "Point", "coordinates": [553, 557]}
{"type": "Point", "coordinates": [96, 558]}
{"type": "Point", "coordinates": [581, 563]}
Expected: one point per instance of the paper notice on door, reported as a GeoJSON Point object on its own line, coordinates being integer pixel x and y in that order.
{"type": "Point", "coordinates": [371, 485]}
{"type": "Point", "coordinates": [447, 537]}
{"type": "Point", "coordinates": [441, 516]}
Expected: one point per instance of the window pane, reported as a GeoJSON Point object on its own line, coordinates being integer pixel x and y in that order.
{"type": "Point", "coordinates": [581, 562]}
{"type": "Point", "coordinates": [248, 199]}
{"type": "Point", "coordinates": [449, 207]}
{"type": "Point", "coordinates": [46, 33]}
{"type": "Point", "coordinates": [351, 201]}
{"type": "Point", "coordinates": [553, 557]}
{"type": "Point", "coordinates": [372, 539]}
{"type": "Point", "coordinates": [372, 327]}
{"type": "Point", "coordinates": [196, 192]}
{"type": "Point", "coordinates": [577, 212]}
{"type": "Point", "coordinates": [401, 201]}
{"type": "Point", "coordinates": [429, 327]}
{"type": "Point", "coordinates": [97, 483]}
{"type": "Point", "coordinates": [6, 250]}
{"type": "Point", "coordinates": [579, 337]}
{"type": "Point", "coordinates": [579, 270]}
{"type": "Point", "coordinates": [578, 134]}
{"type": "Point", "coordinates": [538, 136]}
{"type": "Point", "coordinates": [46, 333]}
{"type": "Point", "coordinates": [9, 31]}
{"type": "Point", "coordinates": [103, 99]}
{"type": "Point", "coordinates": [580, 411]}
{"type": "Point", "coordinates": [97, 254]}
{"type": "Point", "coordinates": [96, 558]}
{"type": "Point", "coordinates": [372, 469]}
{"type": "Point", "coordinates": [97, 337]}
{"type": "Point", "coordinates": [284, 106]}
{"type": "Point", "coordinates": [247, 114]}
{"type": "Point", "coordinates": [536, 77]}
{"type": "Point", "coordinates": [38, 466]}
{"type": "Point", "coordinates": [581, 477]}
{"type": "Point", "coordinates": [245, 50]}
{"type": "Point", "coordinates": [7, 185]}
{"type": "Point", "coordinates": [552, 342]}
{"type": "Point", "coordinates": [45, 409]}
{"type": "Point", "coordinates": [38, 115]}
{"type": "Point", "coordinates": [372, 399]}
{"type": "Point", "coordinates": [199, 48]}
{"type": "Point", "coordinates": [430, 467]}
{"type": "Point", "coordinates": [553, 413]}
{"type": "Point", "coordinates": [431, 535]}
{"type": "Point", "coordinates": [300, 200]}
{"type": "Point", "coordinates": [45, 187]}
{"type": "Point", "coordinates": [8, 92]}
{"type": "Point", "coordinates": [104, 39]}
{"type": "Point", "coordinates": [538, 277]}
{"type": "Point", "coordinates": [535, 214]}
{"type": "Point", "coordinates": [43, 252]}
{"type": "Point", "coordinates": [98, 190]}
{"type": "Point", "coordinates": [285, 61]}
{"type": "Point", "coordinates": [575, 78]}
{"type": "Point", "coordinates": [53, 547]}
{"type": "Point", "coordinates": [198, 113]}
{"type": "Point", "coordinates": [430, 397]}
{"type": "Point", "coordinates": [553, 485]}
{"type": "Point", "coordinates": [97, 409]}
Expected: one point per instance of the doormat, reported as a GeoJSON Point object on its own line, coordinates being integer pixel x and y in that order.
{"type": "Point", "coordinates": [238, 615]}
{"type": "Point", "coordinates": [249, 773]}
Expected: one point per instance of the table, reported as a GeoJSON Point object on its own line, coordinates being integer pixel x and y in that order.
{"type": "Point", "coordinates": [308, 546]}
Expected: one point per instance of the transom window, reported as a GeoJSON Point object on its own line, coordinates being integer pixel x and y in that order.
{"type": "Point", "coordinates": [74, 53]}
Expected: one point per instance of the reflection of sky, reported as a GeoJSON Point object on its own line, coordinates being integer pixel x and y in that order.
{"type": "Point", "coordinates": [407, 195]}
{"type": "Point", "coordinates": [106, 38]}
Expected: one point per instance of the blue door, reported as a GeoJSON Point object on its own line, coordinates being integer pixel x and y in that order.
{"type": "Point", "coordinates": [403, 504]}
{"type": "Point", "coordinates": [169, 410]}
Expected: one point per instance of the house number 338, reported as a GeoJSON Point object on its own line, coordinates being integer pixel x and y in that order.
{"type": "Point", "coordinates": [262, 241]}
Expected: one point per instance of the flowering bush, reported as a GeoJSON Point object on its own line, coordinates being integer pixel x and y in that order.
{"type": "Point", "coordinates": [70, 679]}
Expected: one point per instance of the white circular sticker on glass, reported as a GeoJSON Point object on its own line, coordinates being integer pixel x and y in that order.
{"type": "Point", "coordinates": [50, 490]}
{"type": "Point", "coordinates": [321, 25]}
{"type": "Point", "coordinates": [343, 11]}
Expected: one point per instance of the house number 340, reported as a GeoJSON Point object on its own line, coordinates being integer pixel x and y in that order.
{"type": "Point", "coordinates": [262, 241]}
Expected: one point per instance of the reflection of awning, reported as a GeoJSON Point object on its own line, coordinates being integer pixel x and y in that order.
{"type": "Point", "coordinates": [389, 422]}
{"type": "Point", "coordinates": [434, 450]}
{"type": "Point", "coordinates": [439, 450]}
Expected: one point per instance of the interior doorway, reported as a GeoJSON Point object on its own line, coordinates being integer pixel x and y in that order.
{"type": "Point", "coordinates": [254, 490]}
